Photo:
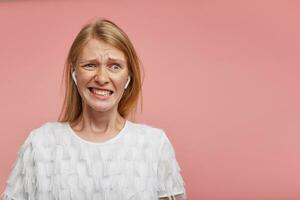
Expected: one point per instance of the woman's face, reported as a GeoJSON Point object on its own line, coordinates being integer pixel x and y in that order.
{"type": "Point", "coordinates": [101, 74]}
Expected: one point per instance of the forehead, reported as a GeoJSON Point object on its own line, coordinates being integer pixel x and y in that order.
{"type": "Point", "coordinates": [99, 49]}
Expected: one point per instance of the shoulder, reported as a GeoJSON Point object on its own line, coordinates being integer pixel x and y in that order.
{"type": "Point", "coordinates": [46, 133]}
{"type": "Point", "coordinates": [144, 128]}
{"type": "Point", "coordinates": [147, 131]}
{"type": "Point", "coordinates": [46, 128]}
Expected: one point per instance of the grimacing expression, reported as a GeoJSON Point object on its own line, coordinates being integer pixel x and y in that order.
{"type": "Point", "coordinates": [101, 73]}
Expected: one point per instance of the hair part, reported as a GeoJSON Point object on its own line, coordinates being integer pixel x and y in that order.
{"type": "Point", "coordinates": [106, 31]}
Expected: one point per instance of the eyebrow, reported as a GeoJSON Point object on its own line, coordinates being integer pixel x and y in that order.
{"type": "Point", "coordinates": [110, 59]}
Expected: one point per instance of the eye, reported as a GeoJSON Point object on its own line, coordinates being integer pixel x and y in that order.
{"type": "Point", "coordinates": [88, 65]}
{"type": "Point", "coordinates": [115, 66]}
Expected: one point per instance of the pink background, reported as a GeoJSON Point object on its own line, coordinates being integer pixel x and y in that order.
{"type": "Point", "coordinates": [222, 79]}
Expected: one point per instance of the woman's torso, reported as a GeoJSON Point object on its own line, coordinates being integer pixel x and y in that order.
{"type": "Point", "coordinates": [69, 167]}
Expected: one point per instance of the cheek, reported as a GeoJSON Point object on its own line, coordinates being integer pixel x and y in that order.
{"type": "Point", "coordinates": [86, 75]}
{"type": "Point", "coordinates": [121, 81]}
{"type": "Point", "coordinates": [82, 84]}
{"type": "Point", "coordinates": [120, 85]}
{"type": "Point", "coordinates": [84, 79]}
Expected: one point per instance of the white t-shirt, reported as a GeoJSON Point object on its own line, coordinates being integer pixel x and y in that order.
{"type": "Point", "coordinates": [55, 163]}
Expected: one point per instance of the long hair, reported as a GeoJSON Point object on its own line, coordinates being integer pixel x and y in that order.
{"type": "Point", "coordinates": [106, 31]}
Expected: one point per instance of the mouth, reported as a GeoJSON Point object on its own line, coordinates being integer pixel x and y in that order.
{"type": "Point", "coordinates": [101, 92]}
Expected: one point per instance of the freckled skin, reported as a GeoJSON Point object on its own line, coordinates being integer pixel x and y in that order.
{"type": "Point", "coordinates": [100, 65]}
{"type": "Point", "coordinates": [94, 69]}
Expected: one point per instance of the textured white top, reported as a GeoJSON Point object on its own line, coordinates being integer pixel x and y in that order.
{"type": "Point", "coordinates": [55, 163]}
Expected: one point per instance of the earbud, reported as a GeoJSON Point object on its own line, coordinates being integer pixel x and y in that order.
{"type": "Point", "coordinates": [74, 77]}
{"type": "Point", "coordinates": [127, 82]}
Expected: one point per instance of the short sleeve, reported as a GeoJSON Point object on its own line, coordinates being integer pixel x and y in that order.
{"type": "Point", "coordinates": [21, 182]}
{"type": "Point", "coordinates": [171, 183]}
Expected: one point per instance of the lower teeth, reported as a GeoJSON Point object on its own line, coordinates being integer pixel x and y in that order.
{"type": "Point", "coordinates": [102, 94]}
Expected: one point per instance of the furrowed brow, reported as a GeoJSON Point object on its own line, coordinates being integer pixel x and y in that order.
{"type": "Point", "coordinates": [85, 61]}
{"type": "Point", "coordinates": [95, 60]}
{"type": "Point", "coordinates": [117, 60]}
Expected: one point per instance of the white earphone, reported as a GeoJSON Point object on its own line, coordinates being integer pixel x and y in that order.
{"type": "Point", "coordinates": [127, 82]}
{"type": "Point", "coordinates": [74, 77]}
{"type": "Point", "coordinates": [75, 80]}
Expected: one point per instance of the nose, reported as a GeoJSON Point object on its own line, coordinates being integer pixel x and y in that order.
{"type": "Point", "coordinates": [101, 75]}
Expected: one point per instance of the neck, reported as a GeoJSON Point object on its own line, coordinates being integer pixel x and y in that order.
{"type": "Point", "coordinates": [96, 122]}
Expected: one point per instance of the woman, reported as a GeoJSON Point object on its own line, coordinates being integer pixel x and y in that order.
{"type": "Point", "coordinates": [94, 151]}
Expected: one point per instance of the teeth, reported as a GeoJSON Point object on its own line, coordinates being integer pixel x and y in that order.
{"type": "Point", "coordinates": [101, 92]}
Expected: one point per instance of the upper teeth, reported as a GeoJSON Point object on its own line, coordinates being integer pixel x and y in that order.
{"type": "Point", "coordinates": [101, 92]}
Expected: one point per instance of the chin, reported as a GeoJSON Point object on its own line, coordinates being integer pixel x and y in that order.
{"type": "Point", "coordinates": [101, 107]}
